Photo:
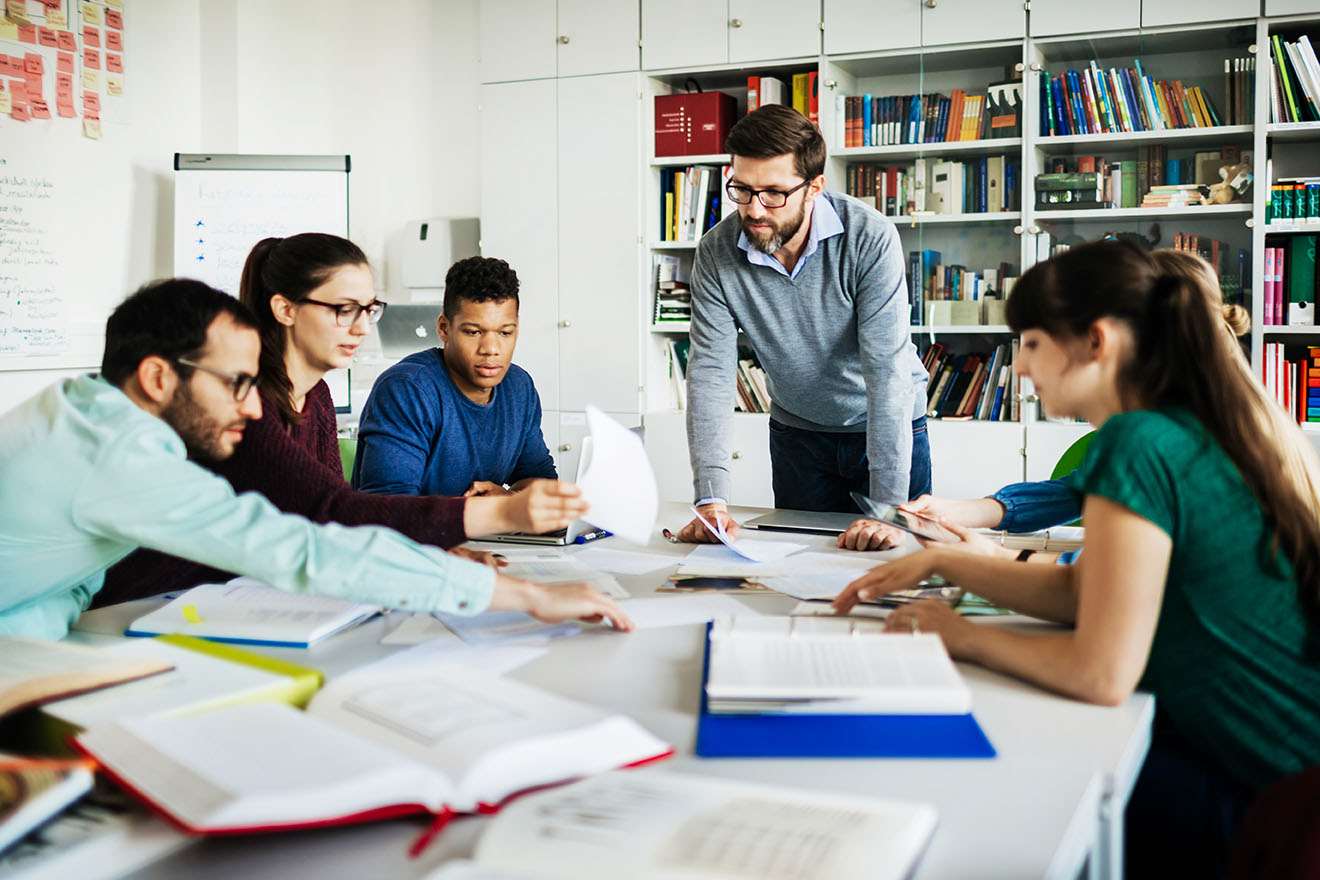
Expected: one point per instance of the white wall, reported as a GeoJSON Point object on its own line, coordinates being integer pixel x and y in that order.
{"type": "Point", "coordinates": [392, 83]}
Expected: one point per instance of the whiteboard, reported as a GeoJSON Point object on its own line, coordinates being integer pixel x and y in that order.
{"type": "Point", "coordinates": [225, 204]}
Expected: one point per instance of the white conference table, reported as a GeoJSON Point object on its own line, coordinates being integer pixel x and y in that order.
{"type": "Point", "coordinates": [1050, 805]}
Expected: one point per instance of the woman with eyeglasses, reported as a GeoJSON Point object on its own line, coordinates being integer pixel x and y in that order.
{"type": "Point", "coordinates": [313, 296]}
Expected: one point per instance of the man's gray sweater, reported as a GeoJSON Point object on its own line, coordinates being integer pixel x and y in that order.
{"type": "Point", "coordinates": [834, 342]}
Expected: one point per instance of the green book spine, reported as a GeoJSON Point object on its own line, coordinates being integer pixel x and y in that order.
{"type": "Point", "coordinates": [1301, 269]}
{"type": "Point", "coordinates": [1129, 197]}
{"type": "Point", "coordinates": [1281, 59]}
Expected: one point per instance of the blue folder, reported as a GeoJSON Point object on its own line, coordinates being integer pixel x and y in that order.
{"type": "Point", "coordinates": [836, 736]}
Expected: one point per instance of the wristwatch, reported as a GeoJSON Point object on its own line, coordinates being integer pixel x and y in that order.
{"type": "Point", "coordinates": [1024, 555]}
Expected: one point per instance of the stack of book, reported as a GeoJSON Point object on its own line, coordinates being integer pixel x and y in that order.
{"type": "Point", "coordinates": [1095, 101]}
{"type": "Point", "coordinates": [1072, 189]}
{"type": "Point", "coordinates": [930, 281]}
{"type": "Point", "coordinates": [1294, 198]}
{"type": "Point", "coordinates": [753, 390]}
{"type": "Point", "coordinates": [1294, 81]}
{"type": "Point", "coordinates": [1294, 381]}
{"type": "Point", "coordinates": [673, 299]}
{"type": "Point", "coordinates": [1152, 179]}
{"type": "Point", "coordinates": [1239, 89]}
{"type": "Point", "coordinates": [1290, 281]}
{"type": "Point", "coordinates": [980, 386]}
{"type": "Point", "coordinates": [936, 186]}
{"type": "Point", "coordinates": [871, 121]}
{"type": "Point", "coordinates": [1172, 195]}
{"type": "Point", "coordinates": [691, 201]}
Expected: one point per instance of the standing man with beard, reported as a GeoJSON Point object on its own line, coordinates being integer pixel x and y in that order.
{"type": "Point", "coordinates": [816, 281]}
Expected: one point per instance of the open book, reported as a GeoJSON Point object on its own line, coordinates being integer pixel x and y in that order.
{"type": "Point", "coordinates": [649, 826]}
{"type": "Point", "coordinates": [33, 790]}
{"type": "Point", "coordinates": [36, 671]}
{"type": "Point", "coordinates": [369, 746]}
{"type": "Point", "coordinates": [247, 612]}
{"type": "Point", "coordinates": [829, 665]}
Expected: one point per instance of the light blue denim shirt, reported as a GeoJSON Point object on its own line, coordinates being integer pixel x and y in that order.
{"type": "Point", "coordinates": [1030, 507]}
{"type": "Point", "coordinates": [825, 223]}
{"type": "Point", "coordinates": [87, 476]}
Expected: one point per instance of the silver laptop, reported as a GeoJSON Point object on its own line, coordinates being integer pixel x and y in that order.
{"type": "Point", "coordinates": [803, 521]}
{"type": "Point", "coordinates": [578, 531]}
{"type": "Point", "coordinates": [408, 328]}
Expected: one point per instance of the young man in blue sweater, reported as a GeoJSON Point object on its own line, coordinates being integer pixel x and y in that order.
{"type": "Point", "coordinates": [462, 419]}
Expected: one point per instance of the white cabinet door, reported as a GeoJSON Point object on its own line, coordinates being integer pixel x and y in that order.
{"type": "Point", "coordinates": [870, 25]}
{"type": "Point", "coordinates": [667, 448]}
{"type": "Point", "coordinates": [550, 433]}
{"type": "Point", "coordinates": [1046, 444]}
{"type": "Point", "coordinates": [599, 254]}
{"type": "Point", "coordinates": [764, 29]}
{"type": "Point", "coordinates": [519, 213]}
{"type": "Point", "coordinates": [684, 33]}
{"type": "Point", "coordinates": [974, 459]}
{"type": "Point", "coordinates": [973, 21]}
{"type": "Point", "coordinates": [1291, 7]}
{"type": "Point", "coordinates": [597, 37]}
{"type": "Point", "coordinates": [1052, 17]}
{"type": "Point", "coordinates": [1165, 12]}
{"type": "Point", "coordinates": [517, 40]}
{"type": "Point", "coordinates": [749, 467]}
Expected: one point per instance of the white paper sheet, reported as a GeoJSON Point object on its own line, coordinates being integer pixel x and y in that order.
{"type": "Point", "coordinates": [656, 612]}
{"type": "Point", "coordinates": [619, 561]}
{"type": "Point", "coordinates": [619, 483]}
{"type": "Point", "coordinates": [820, 575]}
{"type": "Point", "coordinates": [750, 550]}
{"type": "Point", "coordinates": [502, 627]}
{"type": "Point", "coordinates": [824, 609]}
{"type": "Point", "coordinates": [562, 570]}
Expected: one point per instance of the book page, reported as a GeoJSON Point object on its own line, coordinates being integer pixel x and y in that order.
{"type": "Point", "coordinates": [34, 670]}
{"type": "Point", "coordinates": [648, 824]}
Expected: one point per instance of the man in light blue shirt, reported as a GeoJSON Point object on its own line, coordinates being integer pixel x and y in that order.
{"type": "Point", "coordinates": [95, 467]}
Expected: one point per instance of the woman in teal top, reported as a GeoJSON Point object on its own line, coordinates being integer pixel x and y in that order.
{"type": "Point", "coordinates": [1201, 576]}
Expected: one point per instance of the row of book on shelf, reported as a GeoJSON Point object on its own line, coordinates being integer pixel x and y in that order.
{"type": "Point", "coordinates": [752, 386]}
{"type": "Point", "coordinates": [673, 297]}
{"type": "Point", "coordinates": [954, 294]}
{"type": "Point", "coordinates": [938, 186]}
{"type": "Point", "coordinates": [875, 121]}
{"type": "Point", "coordinates": [979, 385]}
{"type": "Point", "coordinates": [1091, 100]}
{"type": "Point", "coordinates": [1150, 180]}
{"type": "Point", "coordinates": [1292, 377]}
{"type": "Point", "coordinates": [1230, 265]}
{"type": "Point", "coordinates": [1290, 281]}
{"type": "Point", "coordinates": [1293, 198]}
{"type": "Point", "coordinates": [803, 95]}
{"type": "Point", "coordinates": [1294, 81]}
{"type": "Point", "coordinates": [692, 200]}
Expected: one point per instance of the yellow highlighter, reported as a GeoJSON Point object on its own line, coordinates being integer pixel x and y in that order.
{"type": "Point", "coordinates": [190, 614]}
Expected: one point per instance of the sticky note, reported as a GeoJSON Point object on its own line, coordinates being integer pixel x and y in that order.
{"type": "Point", "coordinates": [91, 79]}
{"type": "Point", "coordinates": [16, 10]}
{"type": "Point", "coordinates": [20, 113]}
{"type": "Point", "coordinates": [6, 104]}
{"type": "Point", "coordinates": [190, 614]}
{"type": "Point", "coordinates": [34, 87]}
{"type": "Point", "coordinates": [91, 12]}
{"type": "Point", "coordinates": [32, 64]}
{"type": "Point", "coordinates": [92, 129]}
{"type": "Point", "coordinates": [64, 62]}
{"type": "Point", "coordinates": [65, 109]}
{"type": "Point", "coordinates": [66, 41]}
{"type": "Point", "coordinates": [92, 103]}
{"type": "Point", "coordinates": [56, 18]}
{"type": "Point", "coordinates": [114, 63]}
{"type": "Point", "coordinates": [91, 59]}
{"type": "Point", "coordinates": [114, 40]}
{"type": "Point", "coordinates": [115, 19]}
{"type": "Point", "coordinates": [27, 33]}
{"type": "Point", "coordinates": [18, 89]}
{"type": "Point", "coordinates": [114, 84]}
{"type": "Point", "coordinates": [64, 84]}
{"type": "Point", "coordinates": [115, 4]}
{"type": "Point", "coordinates": [91, 37]}
{"type": "Point", "coordinates": [46, 37]}
{"type": "Point", "coordinates": [8, 29]}
{"type": "Point", "coordinates": [40, 110]}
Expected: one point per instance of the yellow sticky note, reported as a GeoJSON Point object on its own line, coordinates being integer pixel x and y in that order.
{"type": "Point", "coordinates": [56, 18]}
{"type": "Point", "coordinates": [8, 30]}
{"type": "Point", "coordinates": [6, 104]}
{"type": "Point", "coordinates": [189, 611]}
{"type": "Point", "coordinates": [115, 4]}
{"type": "Point", "coordinates": [91, 81]}
{"type": "Point", "coordinates": [114, 84]}
{"type": "Point", "coordinates": [91, 12]}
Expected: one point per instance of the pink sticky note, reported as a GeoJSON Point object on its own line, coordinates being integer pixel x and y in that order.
{"type": "Point", "coordinates": [19, 112]}
{"type": "Point", "coordinates": [40, 110]}
{"type": "Point", "coordinates": [91, 37]}
{"type": "Point", "coordinates": [33, 87]}
{"type": "Point", "coordinates": [114, 63]}
{"type": "Point", "coordinates": [65, 109]}
{"type": "Point", "coordinates": [64, 86]}
{"type": "Point", "coordinates": [66, 41]}
{"type": "Point", "coordinates": [91, 59]}
{"type": "Point", "coordinates": [92, 102]}
{"type": "Point", "coordinates": [32, 64]}
{"type": "Point", "coordinates": [27, 33]}
{"type": "Point", "coordinates": [114, 40]}
{"type": "Point", "coordinates": [46, 37]}
{"type": "Point", "coordinates": [18, 91]}
{"type": "Point", "coordinates": [5, 69]}
{"type": "Point", "coordinates": [64, 62]}
{"type": "Point", "coordinates": [115, 19]}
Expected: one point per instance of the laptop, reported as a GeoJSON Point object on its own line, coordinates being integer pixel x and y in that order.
{"type": "Point", "coordinates": [578, 531]}
{"type": "Point", "coordinates": [408, 328]}
{"type": "Point", "coordinates": [807, 521]}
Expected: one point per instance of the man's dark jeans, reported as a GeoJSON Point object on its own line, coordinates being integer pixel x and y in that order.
{"type": "Point", "coordinates": [815, 470]}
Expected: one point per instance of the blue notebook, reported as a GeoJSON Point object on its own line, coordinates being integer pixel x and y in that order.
{"type": "Point", "coordinates": [836, 736]}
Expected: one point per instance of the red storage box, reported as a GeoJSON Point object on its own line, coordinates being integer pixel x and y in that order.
{"type": "Point", "coordinates": [693, 123]}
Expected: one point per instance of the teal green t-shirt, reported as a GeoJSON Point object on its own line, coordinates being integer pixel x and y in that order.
{"type": "Point", "coordinates": [1229, 663]}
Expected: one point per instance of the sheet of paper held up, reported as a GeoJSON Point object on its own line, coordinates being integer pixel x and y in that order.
{"type": "Point", "coordinates": [752, 551]}
{"type": "Point", "coordinates": [618, 482]}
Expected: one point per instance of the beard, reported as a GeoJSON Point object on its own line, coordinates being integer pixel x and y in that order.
{"type": "Point", "coordinates": [201, 433]}
{"type": "Point", "coordinates": [770, 242]}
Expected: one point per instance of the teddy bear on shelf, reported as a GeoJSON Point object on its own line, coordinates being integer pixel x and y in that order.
{"type": "Point", "coordinates": [1234, 181]}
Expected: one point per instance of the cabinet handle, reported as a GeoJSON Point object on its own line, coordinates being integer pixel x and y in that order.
{"type": "Point", "coordinates": [1251, 224]}
{"type": "Point", "coordinates": [564, 324]}
{"type": "Point", "coordinates": [563, 39]}
{"type": "Point", "coordinates": [1252, 49]}
{"type": "Point", "coordinates": [1018, 230]}
{"type": "Point", "coordinates": [930, 4]}
{"type": "Point", "coordinates": [736, 455]}
{"type": "Point", "coordinates": [735, 22]}
{"type": "Point", "coordinates": [1033, 229]}
{"type": "Point", "coordinates": [831, 84]}
{"type": "Point", "coordinates": [1035, 67]}
{"type": "Point", "coordinates": [565, 447]}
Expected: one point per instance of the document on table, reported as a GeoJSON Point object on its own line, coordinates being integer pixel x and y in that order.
{"type": "Point", "coordinates": [502, 627]}
{"type": "Point", "coordinates": [819, 575]}
{"type": "Point", "coordinates": [653, 613]}
{"type": "Point", "coordinates": [618, 482]}
{"type": "Point", "coordinates": [747, 549]}
{"type": "Point", "coordinates": [560, 568]}
{"type": "Point", "coordinates": [719, 560]}
{"type": "Point", "coordinates": [619, 561]}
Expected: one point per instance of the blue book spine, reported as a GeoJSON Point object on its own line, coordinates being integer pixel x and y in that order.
{"type": "Point", "coordinates": [914, 120]}
{"type": "Point", "coordinates": [1056, 94]}
{"type": "Point", "coordinates": [983, 172]}
{"type": "Point", "coordinates": [1081, 121]}
{"type": "Point", "coordinates": [866, 120]}
{"type": "Point", "coordinates": [998, 404]}
{"type": "Point", "coordinates": [1125, 85]}
{"type": "Point", "coordinates": [1046, 110]}
{"type": "Point", "coordinates": [1172, 172]}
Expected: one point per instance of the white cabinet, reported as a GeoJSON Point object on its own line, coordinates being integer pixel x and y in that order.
{"type": "Point", "coordinates": [972, 21]}
{"type": "Point", "coordinates": [600, 257]}
{"type": "Point", "coordinates": [550, 433]}
{"type": "Point", "coordinates": [1046, 443]}
{"type": "Point", "coordinates": [974, 459]}
{"type": "Point", "coordinates": [1053, 17]}
{"type": "Point", "coordinates": [749, 462]}
{"type": "Point", "coordinates": [540, 39]}
{"type": "Point", "coordinates": [696, 33]}
{"type": "Point", "coordinates": [869, 26]}
{"type": "Point", "coordinates": [1291, 7]}
{"type": "Point", "coordinates": [1155, 13]}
